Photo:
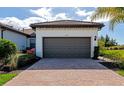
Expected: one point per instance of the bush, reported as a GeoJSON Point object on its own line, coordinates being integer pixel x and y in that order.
{"type": "Point", "coordinates": [121, 65]}
{"type": "Point", "coordinates": [25, 59]}
{"type": "Point", "coordinates": [7, 51]}
{"type": "Point", "coordinates": [7, 48]}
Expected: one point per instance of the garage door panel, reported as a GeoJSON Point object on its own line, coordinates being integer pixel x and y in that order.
{"type": "Point", "coordinates": [66, 47]}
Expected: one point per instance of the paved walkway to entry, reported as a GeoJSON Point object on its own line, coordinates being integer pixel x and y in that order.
{"type": "Point", "coordinates": [67, 72]}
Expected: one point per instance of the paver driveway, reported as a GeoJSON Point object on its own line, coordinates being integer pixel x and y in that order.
{"type": "Point", "coordinates": [67, 72]}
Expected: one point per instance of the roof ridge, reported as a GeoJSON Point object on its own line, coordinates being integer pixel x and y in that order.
{"type": "Point", "coordinates": [68, 20]}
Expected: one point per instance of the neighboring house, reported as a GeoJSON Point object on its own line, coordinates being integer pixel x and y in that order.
{"type": "Point", "coordinates": [66, 38]}
{"type": "Point", "coordinates": [31, 39]}
{"type": "Point", "coordinates": [16, 36]}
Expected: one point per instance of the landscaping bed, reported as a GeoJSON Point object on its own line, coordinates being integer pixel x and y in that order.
{"type": "Point", "coordinates": [117, 60]}
{"type": "Point", "coordinates": [23, 62]}
{"type": "Point", "coordinates": [13, 62]}
{"type": "Point", "coordinates": [26, 59]}
{"type": "Point", "coordinates": [113, 67]}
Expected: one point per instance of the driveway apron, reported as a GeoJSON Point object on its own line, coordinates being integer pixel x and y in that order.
{"type": "Point", "coordinates": [67, 72]}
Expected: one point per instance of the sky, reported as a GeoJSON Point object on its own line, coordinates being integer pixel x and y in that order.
{"type": "Point", "coordinates": [21, 17]}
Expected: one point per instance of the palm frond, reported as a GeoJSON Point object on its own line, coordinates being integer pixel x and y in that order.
{"type": "Point", "coordinates": [115, 15]}
{"type": "Point", "coordinates": [116, 20]}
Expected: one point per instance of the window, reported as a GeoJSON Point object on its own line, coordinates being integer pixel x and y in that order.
{"type": "Point", "coordinates": [32, 43]}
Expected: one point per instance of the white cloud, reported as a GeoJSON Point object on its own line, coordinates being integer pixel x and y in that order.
{"type": "Point", "coordinates": [61, 16]}
{"type": "Point", "coordinates": [45, 13]}
{"type": "Point", "coordinates": [48, 15]}
{"type": "Point", "coordinates": [18, 23]}
{"type": "Point", "coordinates": [84, 12]}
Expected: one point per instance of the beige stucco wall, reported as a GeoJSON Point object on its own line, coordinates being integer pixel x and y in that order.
{"type": "Point", "coordinates": [64, 32]}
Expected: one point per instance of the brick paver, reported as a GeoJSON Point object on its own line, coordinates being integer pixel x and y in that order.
{"type": "Point", "coordinates": [67, 72]}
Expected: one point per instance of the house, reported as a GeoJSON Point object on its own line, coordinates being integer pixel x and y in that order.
{"type": "Point", "coordinates": [21, 39]}
{"type": "Point", "coordinates": [31, 38]}
{"type": "Point", "coordinates": [66, 38]}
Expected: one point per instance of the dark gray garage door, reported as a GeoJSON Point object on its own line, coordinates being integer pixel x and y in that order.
{"type": "Point", "coordinates": [57, 47]}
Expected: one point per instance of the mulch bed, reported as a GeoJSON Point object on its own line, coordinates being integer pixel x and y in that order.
{"type": "Point", "coordinates": [17, 71]}
{"type": "Point", "coordinates": [110, 65]}
{"type": "Point", "coordinates": [20, 69]}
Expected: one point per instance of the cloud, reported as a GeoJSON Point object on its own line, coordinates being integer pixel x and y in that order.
{"type": "Point", "coordinates": [84, 12]}
{"type": "Point", "coordinates": [61, 16]}
{"type": "Point", "coordinates": [48, 15]}
{"type": "Point", "coordinates": [88, 14]}
{"type": "Point", "coordinates": [18, 23]}
{"type": "Point", "coordinates": [44, 14]}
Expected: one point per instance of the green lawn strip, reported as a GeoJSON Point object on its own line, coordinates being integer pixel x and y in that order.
{"type": "Point", "coordinates": [113, 54]}
{"type": "Point", "coordinates": [6, 77]}
{"type": "Point", "coordinates": [120, 72]}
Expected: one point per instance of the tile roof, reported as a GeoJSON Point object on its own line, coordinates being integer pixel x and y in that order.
{"type": "Point", "coordinates": [67, 23]}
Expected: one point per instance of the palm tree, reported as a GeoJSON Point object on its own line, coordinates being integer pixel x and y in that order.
{"type": "Point", "coordinates": [115, 15]}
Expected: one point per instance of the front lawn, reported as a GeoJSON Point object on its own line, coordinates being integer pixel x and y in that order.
{"type": "Point", "coordinates": [6, 77]}
{"type": "Point", "coordinates": [120, 72]}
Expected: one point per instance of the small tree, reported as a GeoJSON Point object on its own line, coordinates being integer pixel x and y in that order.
{"type": "Point", "coordinates": [107, 41]}
{"type": "Point", "coordinates": [7, 51]}
{"type": "Point", "coordinates": [101, 42]}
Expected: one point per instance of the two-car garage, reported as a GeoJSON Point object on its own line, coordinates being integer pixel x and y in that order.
{"type": "Point", "coordinates": [66, 47]}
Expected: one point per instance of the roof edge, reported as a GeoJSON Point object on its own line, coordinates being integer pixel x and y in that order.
{"type": "Point", "coordinates": [3, 26]}
{"type": "Point", "coordinates": [44, 24]}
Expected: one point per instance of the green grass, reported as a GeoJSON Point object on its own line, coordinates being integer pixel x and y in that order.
{"type": "Point", "coordinates": [6, 77]}
{"type": "Point", "coordinates": [120, 72]}
{"type": "Point", "coordinates": [116, 55]}
{"type": "Point", "coordinates": [113, 54]}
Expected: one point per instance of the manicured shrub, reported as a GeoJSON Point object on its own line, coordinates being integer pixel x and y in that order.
{"type": "Point", "coordinates": [7, 52]}
{"type": "Point", "coordinates": [7, 48]}
{"type": "Point", "coordinates": [25, 59]}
